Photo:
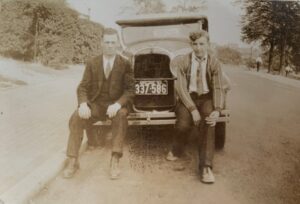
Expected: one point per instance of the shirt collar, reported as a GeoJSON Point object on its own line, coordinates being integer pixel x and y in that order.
{"type": "Point", "coordinates": [194, 58]}
{"type": "Point", "coordinates": [110, 60]}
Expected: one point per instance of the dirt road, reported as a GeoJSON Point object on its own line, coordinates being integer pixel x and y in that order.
{"type": "Point", "coordinates": [260, 163]}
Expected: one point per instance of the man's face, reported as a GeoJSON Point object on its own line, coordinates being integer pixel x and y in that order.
{"type": "Point", "coordinates": [200, 46]}
{"type": "Point", "coordinates": [110, 44]}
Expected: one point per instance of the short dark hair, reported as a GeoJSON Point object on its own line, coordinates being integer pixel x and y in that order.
{"type": "Point", "coordinates": [109, 31]}
{"type": "Point", "coordinates": [196, 35]}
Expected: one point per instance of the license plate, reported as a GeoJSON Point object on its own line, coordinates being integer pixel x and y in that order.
{"type": "Point", "coordinates": [151, 87]}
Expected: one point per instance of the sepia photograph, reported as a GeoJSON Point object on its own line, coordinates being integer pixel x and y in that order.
{"type": "Point", "coordinates": [149, 101]}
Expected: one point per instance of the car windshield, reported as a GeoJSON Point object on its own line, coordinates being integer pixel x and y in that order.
{"type": "Point", "coordinates": [144, 33]}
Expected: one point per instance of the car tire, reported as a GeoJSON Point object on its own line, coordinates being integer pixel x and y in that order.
{"type": "Point", "coordinates": [220, 135]}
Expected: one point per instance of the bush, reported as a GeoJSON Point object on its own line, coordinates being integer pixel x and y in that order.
{"type": "Point", "coordinates": [48, 32]}
{"type": "Point", "coordinates": [229, 55]}
{"type": "Point", "coordinates": [250, 63]}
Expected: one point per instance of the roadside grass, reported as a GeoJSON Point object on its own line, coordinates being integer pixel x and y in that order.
{"type": "Point", "coordinates": [8, 82]}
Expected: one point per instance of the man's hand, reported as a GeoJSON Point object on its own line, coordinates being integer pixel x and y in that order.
{"type": "Point", "coordinates": [113, 109]}
{"type": "Point", "coordinates": [84, 111]}
{"type": "Point", "coordinates": [212, 118]}
{"type": "Point", "coordinates": [196, 117]}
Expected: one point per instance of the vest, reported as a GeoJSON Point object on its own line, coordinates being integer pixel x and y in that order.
{"type": "Point", "coordinates": [104, 93]}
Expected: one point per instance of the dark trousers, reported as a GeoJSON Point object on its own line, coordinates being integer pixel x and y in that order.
{"type": "Point", "coordinates": [92, 134]}
{"type": "Point", "coordinates": [206, 133]}
{"type": "Point", "coordinates": [257, 66]}
{"type": "Point", "coordinates": [77, 125]}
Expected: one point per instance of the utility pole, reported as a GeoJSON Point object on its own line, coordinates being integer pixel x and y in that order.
{"type": "Point", "coordinates": [35, 40]}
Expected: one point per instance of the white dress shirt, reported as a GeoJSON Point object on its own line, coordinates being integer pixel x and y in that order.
{"type": "Point", "coordinates": [107, 60]}
{"type": "Point", "coordinates": [193, 79]}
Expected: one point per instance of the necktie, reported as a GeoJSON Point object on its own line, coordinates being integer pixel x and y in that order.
{"type": "Point", "coordinates": [200, 89]}
{"type": "Point", "coordinates": [107, 70]}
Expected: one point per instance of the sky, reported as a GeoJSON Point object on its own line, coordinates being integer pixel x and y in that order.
{"type": "Point", "coordinates": [223, 16]}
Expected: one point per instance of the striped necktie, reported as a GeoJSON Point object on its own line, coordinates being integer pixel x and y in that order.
{"type": "Point", "coordinates": [107, 70]}
{"type": "Point", "coordinates": [200, 88]}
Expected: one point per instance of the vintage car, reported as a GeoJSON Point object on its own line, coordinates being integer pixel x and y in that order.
{"type": "Point", "coordinates": [151, 42]}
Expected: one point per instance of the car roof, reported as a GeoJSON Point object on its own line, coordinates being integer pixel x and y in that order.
{"type": "Point", "coordinates": [161, 19]}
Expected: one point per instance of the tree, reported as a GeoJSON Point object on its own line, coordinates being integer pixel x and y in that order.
{"type": "Point", "coordinates": [147, 7]}
{"type": "Point", "coordinates": [258, 26]}
{"type": "Point", "coordinates": [87, 40]}
{"type": "Point", "coordinates": [14, 36]}
{"type": "Point", "coordinates": [47, 32]}
{"type": "Point", "coordinates": [287, 21]}
{"type": "Point", "coordinates": [189, 6]}
{"type": "Point", "coordinates": [295, 49]}
{"type": "Point", "coordinates": [272, 23]}
{"type": "Point", "coordinates": [158, 6]}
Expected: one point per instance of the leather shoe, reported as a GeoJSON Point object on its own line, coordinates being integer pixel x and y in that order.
{"type": "Point", "coordinates": [115, 170]}
{"type": "Point", "coordinates": [71, 168]}
{"type": "Point", "coordinates": [170, 156]}
{"type": "Point", "coordinates": [207, 176]}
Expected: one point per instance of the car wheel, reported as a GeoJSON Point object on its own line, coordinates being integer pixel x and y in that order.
{"type": "Point", "coordinates": [220, 135]}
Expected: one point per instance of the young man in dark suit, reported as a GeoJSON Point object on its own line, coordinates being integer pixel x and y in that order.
{"type": "Point", "coordinates": [104, 92]}
{"type": "Point", "coordinates": [199, 87]}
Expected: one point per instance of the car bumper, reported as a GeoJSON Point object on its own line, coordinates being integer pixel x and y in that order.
{"type": "Point", "coordinates": [158, 118]}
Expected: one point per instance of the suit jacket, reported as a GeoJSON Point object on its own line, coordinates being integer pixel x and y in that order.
{"type": "Point", "coordinates": [121, 88]}
{"type": "Point", "coordinates": [181, 66]}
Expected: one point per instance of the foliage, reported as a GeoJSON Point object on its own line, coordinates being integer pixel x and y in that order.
{"type": "Point", "coordinates": [158, 6]}
{"type": "Point", "coordinates": [87, 40]}
{"type": "Point", "coordinates": [250, 62]}
{"type": "Point", "coordinates": [228, 55]}
{"type": "Point", "coordinates": [14, 38]}
{"type": "Point", "coordinates": [275, 24]}
{"type": "Point", "coordinates": [147, 7]}
{"type": "Point", "coordinates": [189, 6]}
{"type": "Point", "coordinates": [55, 34]}
{"type": "Point", "coordinates": [46, 31]}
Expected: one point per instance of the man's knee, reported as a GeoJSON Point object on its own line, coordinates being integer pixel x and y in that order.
{"type": "Point", "coordinates": [75, 119]}
{"type": "Point", "coordinates": [182, 126]}
{"type": "Point", "coordinates": [206, 113]}
{"type": "Point", "coordinates": [122, 113]}
{"type": "Point", "coordinates": [207, 108]}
